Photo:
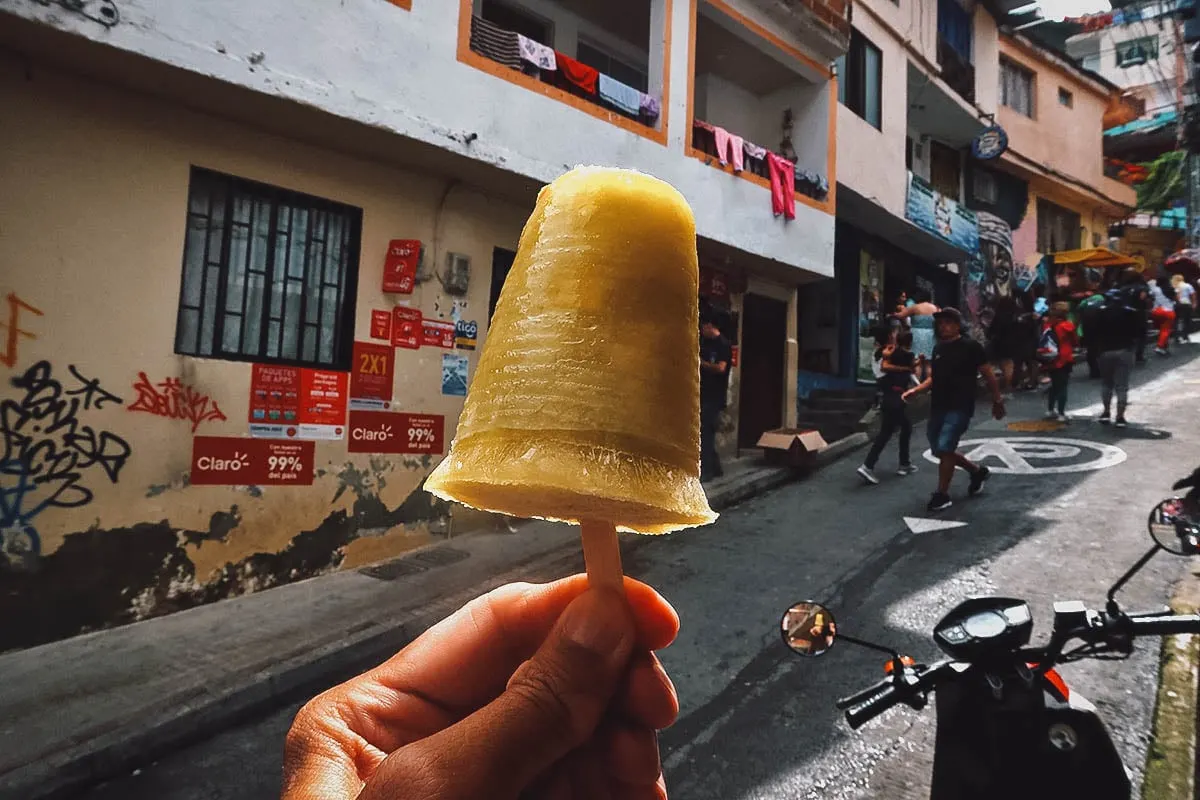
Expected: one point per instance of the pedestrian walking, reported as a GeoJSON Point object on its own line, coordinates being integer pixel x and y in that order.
{"type": "Point", "coordinates": [1116, 330]}
{"type": "Point", "coordinates": [898, 367]}
{"type": "Point", "coordinates": [1163, 314]}
{"type": "Point", "coordinates": [956, 362]}
{"type": "Point", "coordinates": [1003, 336]}
{"type": "Point", "coordinates": [1185, 302]}
{"type": "Point", "coordinates": [1060, 361]}
{"type": "Point", "coordinates": [920, 320]}
{"type": "Point", "coordinates": [715, 355]}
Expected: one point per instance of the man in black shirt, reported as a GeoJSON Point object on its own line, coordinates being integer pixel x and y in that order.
{"type": "Point", "coordinates": [715, 355]}
{"type": "Point", "coordinates": [1114, 334]}
{"type": "Point", "coordinates": [956, 362]}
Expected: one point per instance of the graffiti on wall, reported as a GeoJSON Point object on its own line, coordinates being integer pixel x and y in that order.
{"type": "Point", "coordinates": [989, 274]}
{"type": "Point", "coordinates": [174, 399]}
{"type": "Point", "coordinates": [48, 452]}
{"type": "Point", "coordinates": [12, 325]}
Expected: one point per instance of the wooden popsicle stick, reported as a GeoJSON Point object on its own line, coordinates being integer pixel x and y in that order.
{"type": "Point", "coordinates": [602, 556]}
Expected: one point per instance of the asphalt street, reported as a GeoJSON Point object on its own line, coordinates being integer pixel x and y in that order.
{"type": "Point", "coordinates": [1059, 520]}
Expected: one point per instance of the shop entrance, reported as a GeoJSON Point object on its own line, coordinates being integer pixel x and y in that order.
{"type": "Point", "coordinates": [763, 355]}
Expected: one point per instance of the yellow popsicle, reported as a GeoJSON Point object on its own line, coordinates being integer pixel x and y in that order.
{"type": "Point", "coordinates": [585, 404]}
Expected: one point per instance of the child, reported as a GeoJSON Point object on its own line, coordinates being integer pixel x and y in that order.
{"type": "Point", "coordinates": [897, 365]}
{"type": "Point", "coordinates": [1063, 333]}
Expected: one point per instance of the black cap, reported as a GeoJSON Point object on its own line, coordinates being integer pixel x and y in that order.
{"type": "Point", "coordinates": [950, 312]}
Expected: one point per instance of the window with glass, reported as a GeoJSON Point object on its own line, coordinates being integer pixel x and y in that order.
{"type": "Point", "coordinates": [1136, 52]}
{"type": "Point", "coordinates": [860, 79]}
{"type": "Point", "coordinates": [1016, 87]}
{"type": "Point", "coordinates": [1058, 228]}
{"type": "Point", "coordinates": [269, 275]}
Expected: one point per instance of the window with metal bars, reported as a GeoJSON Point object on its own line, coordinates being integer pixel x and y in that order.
{"type": "Point", "coordinates": [269, 275]}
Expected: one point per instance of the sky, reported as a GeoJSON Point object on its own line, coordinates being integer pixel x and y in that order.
{"type": "Point", "coordinates": [1058, 9]}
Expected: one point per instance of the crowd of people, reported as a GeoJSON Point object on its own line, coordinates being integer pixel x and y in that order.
{"type": "Point", "coordinates": [1031, 340]}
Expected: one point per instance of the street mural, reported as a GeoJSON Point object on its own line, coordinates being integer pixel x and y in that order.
{"type": "Point", "coordinates": [989, 274]}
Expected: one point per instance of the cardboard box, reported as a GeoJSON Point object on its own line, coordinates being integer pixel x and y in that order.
{"type": "Point", "coordinates": [793, 447]}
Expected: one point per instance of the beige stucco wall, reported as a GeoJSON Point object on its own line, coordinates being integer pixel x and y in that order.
{"type": "Point", "coordinates": [871, 161]}
{"type": "Point", "coordinates": [92, 219]}
{"type": "Point", "coordinates": [1093, 217]}
{"type": "Point", "coordinates": [1068, 139]}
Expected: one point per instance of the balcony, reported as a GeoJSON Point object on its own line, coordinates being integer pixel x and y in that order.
{"type": "Point", "coordinates": [958, 73]}
{"type": "Point", "coordinates": [823, 26]}
{"type": "Point", "coordinates": [594, 55]}
{"type": "Point", "coordinates": [752, 98]}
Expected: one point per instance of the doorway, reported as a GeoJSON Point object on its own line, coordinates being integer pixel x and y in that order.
{"type": "Point", "coordinates": [763, 356]}
{"type": "Point", "coordinates": [502, 261]}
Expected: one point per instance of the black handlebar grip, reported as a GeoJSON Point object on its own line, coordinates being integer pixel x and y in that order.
{"type": "Point", "coordinates": [872, 707]}
{"type": "Point", "coordinates": [1165, 626]}
{"type": "Point", "coordinates": [865, 694]}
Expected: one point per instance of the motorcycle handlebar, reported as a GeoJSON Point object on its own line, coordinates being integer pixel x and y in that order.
{"type": "Point", "coordinates": [873, 706]}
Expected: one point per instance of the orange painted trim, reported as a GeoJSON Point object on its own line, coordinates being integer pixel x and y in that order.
{"type": "Point", "coordinates": [405, 4]}
{"type": "Point", "coordinates": [759, 30]}
{"type": "Point", "coordinates": [469, 57]}
{"type": "Point", "coordinates": [829, 204]}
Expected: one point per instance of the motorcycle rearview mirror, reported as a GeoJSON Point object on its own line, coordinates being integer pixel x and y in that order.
{"type": "Point", "coordinates": [1175, 526]}
{"type": "Point", "coordinates": [808, 628]}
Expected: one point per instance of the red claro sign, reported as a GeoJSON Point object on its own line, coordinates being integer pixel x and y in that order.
{"type": "Point", "coordinates": [231, 461]}
{"type": "Point", "coordinates": [390, 432]}
{"type": "Point", "coordinates": [400, 266]}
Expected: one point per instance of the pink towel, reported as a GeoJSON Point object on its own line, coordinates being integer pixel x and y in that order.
{"type": "Point", "coordinates": [736, 152]}
{"type": "Point", "coordinates": [721, 137]}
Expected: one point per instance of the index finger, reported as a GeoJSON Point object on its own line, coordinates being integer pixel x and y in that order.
{"type": "Point", "coordinates": [465, 660]}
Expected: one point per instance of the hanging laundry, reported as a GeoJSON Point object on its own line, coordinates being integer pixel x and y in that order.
{"type": "Point", "coordinates": [736, 152]}
{"type": "Point", "coordinates": [721, 137]}
{"type": "Point", "coordinates": [492, 41]}
{"type": "Point", "coordinates": [536, 53]}
{"type": "Point", "coordinates": [624, 97]}
{"type": "Point", "coordinates": [754, 151]}
{"type": "Point", "coordinates": [650, 107]}
{"type": "Point", "coordinates": [783, 186]}
{"type": "Point", "coordinates": [702, 125]}
{"type": "Point", "coordinates": [577, 73]}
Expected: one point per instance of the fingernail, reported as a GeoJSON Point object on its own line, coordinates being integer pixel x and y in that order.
{"type": "Point", "coordinates": [597, 621]}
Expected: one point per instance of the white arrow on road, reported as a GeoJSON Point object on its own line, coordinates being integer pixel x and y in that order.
{"type": "Point", "coordinates": [921, 525]}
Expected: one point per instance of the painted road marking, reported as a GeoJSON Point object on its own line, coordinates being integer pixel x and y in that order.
{"type": "Point", "coordinates": [1018, 454]}
{"type": "Point", "coordinates": [921, 525]}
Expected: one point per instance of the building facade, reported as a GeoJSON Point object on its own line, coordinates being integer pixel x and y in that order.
{"type": "Point", "coordinates": [917, 87]}
{"type": "Point", "coordinates": [250, 252]}
{"type": "Point", "coordinates": [1054, 111]}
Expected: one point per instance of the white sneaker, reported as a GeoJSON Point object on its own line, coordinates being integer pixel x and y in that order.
{"type": "Point", "coordinates": [868, 475]}
{"type": "Point", "coordinates": [906, 469]}
{"type": "Point", "coordinates": [1063, 418]}
{"type": "Point", "coordinates": [1051, 415]}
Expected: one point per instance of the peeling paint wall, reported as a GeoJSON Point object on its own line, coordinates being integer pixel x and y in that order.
{"type": "Point", "coordinates": [101, 526]}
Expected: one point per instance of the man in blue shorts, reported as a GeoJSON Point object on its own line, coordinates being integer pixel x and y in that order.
{"type": "Point", "coordinates": [956, 361]}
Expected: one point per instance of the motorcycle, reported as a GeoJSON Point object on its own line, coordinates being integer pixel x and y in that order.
{"type": "Point", "coordinates": [1008, 725]}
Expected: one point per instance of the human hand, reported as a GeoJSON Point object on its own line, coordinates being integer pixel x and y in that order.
{"type": "Point", "coordinates": [546, 691]}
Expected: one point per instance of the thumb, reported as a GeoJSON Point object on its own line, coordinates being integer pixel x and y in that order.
{"type": "Point", "coordinates": [552, 705]}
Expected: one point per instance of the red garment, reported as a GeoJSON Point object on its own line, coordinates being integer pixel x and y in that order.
{"type": "Point", "coordinates": [1165, 318]}
{"type": "Point", "coordinates": [1067, 340]}
{"type": "Point", "coordinates": [578, 73]}
{"type": "Point", "coordinates": [783, 186]}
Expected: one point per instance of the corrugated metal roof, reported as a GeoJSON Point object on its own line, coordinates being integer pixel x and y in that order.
{"type": "Point", "coordinates": [1146, 124]}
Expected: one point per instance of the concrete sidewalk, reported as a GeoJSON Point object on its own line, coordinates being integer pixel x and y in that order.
{"type": "Point", "coordinates": [88, 708]}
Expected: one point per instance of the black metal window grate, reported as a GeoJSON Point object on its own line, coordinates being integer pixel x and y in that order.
{"type": "Point", "coordinates": [269, 274]}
